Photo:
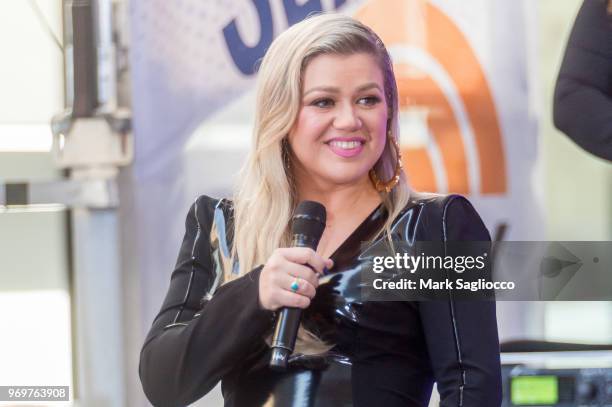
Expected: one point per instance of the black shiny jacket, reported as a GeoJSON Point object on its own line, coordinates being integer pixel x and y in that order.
{"type": "Point", "coordinates": [582, 107]}
{"type": "Point", "coordinates": [385, 353]}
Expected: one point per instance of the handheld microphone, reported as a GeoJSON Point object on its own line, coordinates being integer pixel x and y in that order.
{"type": "Point", "coordinates": [307, 225]}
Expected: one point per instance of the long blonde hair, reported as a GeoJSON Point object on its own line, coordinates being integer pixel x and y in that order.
{"type": "Point", "coordinates": [265, 197]}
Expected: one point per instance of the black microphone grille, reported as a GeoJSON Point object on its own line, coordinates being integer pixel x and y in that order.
{"type": "Point", "coordinates": [309, 219]}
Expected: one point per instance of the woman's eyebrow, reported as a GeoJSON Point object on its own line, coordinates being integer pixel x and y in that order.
{"type": "Point", "coordinates": [329, 89]}
{"type": "Point", "coordinates": [332, 89]}
{"type": "Point", "coordinates": [368, 86]}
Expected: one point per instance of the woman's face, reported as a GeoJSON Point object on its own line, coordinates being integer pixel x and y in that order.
{"type": "Point", "coordinates": [340, 131]}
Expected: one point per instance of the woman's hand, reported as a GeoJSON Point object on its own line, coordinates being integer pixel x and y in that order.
{"type": "Point", "coordinates": [284, 267]}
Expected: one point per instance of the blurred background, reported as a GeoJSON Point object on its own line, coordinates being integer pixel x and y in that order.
{"type": "Point", "coordinates": [115, 115]}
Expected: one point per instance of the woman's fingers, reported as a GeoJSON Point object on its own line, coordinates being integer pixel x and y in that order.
{"type": "Point", "coordinates": [302, 287]}
{"type": "Point", "coordinates": [289, 299]}
{"type": "Point", "coordinates": [294, 271]}
{"type": "Point", "coordinates": [299, 265]}
{"type": "Point", "coordinates": [305, 255]}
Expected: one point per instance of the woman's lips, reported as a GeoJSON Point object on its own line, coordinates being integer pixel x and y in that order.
{"type": "Point", "coordinates": [346, 148]}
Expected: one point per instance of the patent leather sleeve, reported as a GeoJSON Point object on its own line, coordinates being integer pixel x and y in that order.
{"type": "Point", "coordinates": [461, 335]}
{"type": "Point", "coordinates": [197, 338]}
{"type": "Point", "coordinates": [582, 107]}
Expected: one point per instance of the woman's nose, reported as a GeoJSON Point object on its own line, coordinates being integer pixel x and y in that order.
{"type": "Point", "coordinates": [347, 118]}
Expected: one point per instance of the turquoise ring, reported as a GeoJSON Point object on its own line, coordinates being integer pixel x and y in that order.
{"type": "Point", "coordinates": [295, 286]}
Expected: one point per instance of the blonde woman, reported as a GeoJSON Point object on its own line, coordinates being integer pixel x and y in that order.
{"type": "Point", "coordinates": [325, 130]}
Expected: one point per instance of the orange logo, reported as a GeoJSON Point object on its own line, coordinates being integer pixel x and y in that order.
{"type": "Point", "coordinates": [450, 134]}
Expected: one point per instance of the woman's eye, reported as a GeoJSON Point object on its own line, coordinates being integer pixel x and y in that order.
{"type": "Point", "coordinates": [322, 103]}
{"type": "Point", "coordinates": [369, 101]}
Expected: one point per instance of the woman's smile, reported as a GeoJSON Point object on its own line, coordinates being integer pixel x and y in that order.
{"type": "Point", "coordinates": [346, 147]}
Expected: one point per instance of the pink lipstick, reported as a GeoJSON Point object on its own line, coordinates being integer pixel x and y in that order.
{"type": "Point", "coordinates": [346, 146]}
